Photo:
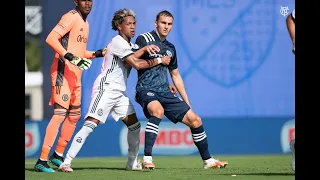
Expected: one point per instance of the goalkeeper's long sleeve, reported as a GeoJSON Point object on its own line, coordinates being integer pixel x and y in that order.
{"type": "Point", "coordinates": [53, 41]}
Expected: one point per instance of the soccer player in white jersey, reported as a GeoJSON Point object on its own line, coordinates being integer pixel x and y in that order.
{"type": "Point", "coordinates": [108, 92]}
{"type": "Point", "coordinates": [291, 29]}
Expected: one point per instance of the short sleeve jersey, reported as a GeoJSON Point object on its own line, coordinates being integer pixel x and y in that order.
{"type": "Point", "coordinates": [155, 78]}
{"type": "Point", "coordinates": [113, 71]}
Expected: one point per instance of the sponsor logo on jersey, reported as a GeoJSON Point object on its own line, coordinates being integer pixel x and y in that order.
{"type": "Point", "coordinates": [82, 39]}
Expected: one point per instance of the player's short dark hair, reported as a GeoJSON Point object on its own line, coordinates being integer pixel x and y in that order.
{"type": "Point", "coordinates": [119, 16]}
{"type": "Point", "coordinates": [164, 13]}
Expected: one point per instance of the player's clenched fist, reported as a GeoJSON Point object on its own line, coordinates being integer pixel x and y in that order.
{"type": "Point", "coordinates": [82, 63]}
{"type": "Point", "coordinates": [165, 60]}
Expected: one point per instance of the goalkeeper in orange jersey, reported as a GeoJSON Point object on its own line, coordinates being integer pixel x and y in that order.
{"type": "Point", "coordinates": [69, 40]}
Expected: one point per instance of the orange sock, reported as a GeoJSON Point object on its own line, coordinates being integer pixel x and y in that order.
{"type": "Point", "coordinates": [51, 132]}
{"type": "Point", "coordinates": [67, 130]}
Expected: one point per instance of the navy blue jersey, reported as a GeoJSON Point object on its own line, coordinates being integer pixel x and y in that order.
{"type": "Point", "coordinates": [155, 78]}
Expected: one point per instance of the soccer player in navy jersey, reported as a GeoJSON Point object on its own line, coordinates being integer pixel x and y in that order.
{"type": "Point", "coordinates": [153, 94]}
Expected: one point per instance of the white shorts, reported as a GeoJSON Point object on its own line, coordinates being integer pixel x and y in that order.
{"type": "Point", "coordinates": [105, 101]}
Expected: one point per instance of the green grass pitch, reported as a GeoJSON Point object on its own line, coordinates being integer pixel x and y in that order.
{"type": "Point", "coordinates": [245, 167]}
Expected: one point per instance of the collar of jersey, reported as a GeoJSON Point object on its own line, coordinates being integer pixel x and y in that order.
{"type": "Point", "coordinates": [156, 36]}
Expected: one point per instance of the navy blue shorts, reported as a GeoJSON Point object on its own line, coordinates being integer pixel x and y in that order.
{"type": "Point", "coordinates": [174, 107]}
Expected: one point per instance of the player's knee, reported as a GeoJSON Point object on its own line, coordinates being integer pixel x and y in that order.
{"type": "Point", "coordinates": [74, 115]}
{"type": "Point", "coordinates": [92, 120]}
{"type": "Point", "coordinates": [195, 121]}
{"type": "Point", "coordinates": [90, 124]}
{"type": "Point", "coordinates": [59, 115]}
{"type": "Point", "coordinates": [156, 111]}
{"type": "Point", "coordinates": [130, 119]}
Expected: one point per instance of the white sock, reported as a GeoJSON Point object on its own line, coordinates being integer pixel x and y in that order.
{"type": "Point", "coordinates": [133, 138]}
{"type": "Point", "coordinates": [147, 158]}
{"type": "Point", "coordinates": [209, 160]}
{"type": "Point", "coordinates": [58, 153]}
{"type": "Point", "coordinates": [79, 140]}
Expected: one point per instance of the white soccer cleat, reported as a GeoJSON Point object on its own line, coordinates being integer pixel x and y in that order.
{"type": "Point", "coordinates": [134, 166]}
{"type": "Point", "coordinates": [214, 163]}
{"type": "Point", "coordinates": [65, 168]}
{"type": "Point", "coordinates": [293, 161]}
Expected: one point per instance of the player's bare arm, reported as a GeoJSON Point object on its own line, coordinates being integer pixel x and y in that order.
{"type": "Point", "coordinates": [138, 64]}
{"type": "Point", "coordinates": [291, 29]}
{"type": "Point", "coordinates": [178, 82]}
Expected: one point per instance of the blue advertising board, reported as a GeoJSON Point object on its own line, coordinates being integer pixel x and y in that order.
{"type": "Point", "coordinates": [231, 135]}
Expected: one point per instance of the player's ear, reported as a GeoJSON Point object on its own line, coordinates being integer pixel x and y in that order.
{"type": "Point", "coordinates": [75, 2]}
{"type": "Point", "coordinates": [155, 24]}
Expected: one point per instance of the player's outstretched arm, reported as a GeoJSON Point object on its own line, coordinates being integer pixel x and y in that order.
{"type": "Point", "coordinates": [178, 82]}
{"type": "Point", "coordinates": [144, 64]}
{"type": "Point", "coordinates": [135, 61]}
{"type": "Point", "coordinates": [95, 54]}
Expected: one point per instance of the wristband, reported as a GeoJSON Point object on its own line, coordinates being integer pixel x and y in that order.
{"type": "Point", "coordinates": [68, 56]}
{"type": "Point", "coordinates": [159, 60]}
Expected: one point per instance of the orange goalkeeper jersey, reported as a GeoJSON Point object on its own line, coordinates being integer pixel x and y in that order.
{"type": "Point", "coordinates": [73, 32]}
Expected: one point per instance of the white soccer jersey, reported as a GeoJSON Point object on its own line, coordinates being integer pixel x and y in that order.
{"type": "Point", "coordinates": [293, 14]}
{"type": "Point", "coordinates": [113, 71]}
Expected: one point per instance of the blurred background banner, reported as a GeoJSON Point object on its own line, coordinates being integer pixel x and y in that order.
{"type": "Point", "coordinates": [234, 56]}
{"type": "Point", "coordinates": [231, 135]}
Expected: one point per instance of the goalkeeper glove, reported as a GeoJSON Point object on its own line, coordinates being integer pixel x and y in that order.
{"type": "Point", "coordinates": [82, 63]}
{"type": "Point", "coordinates": [100, 52]}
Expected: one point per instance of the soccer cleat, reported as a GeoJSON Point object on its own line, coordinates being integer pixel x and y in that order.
{"type": "Point", "coordinates": [136, 166]}
{"type": "Point", "coordinates": [56, 160]}
{"type": "Point", "coordinates": [42, 166]}
{"type": "Point", "coordinates": [65, 168]}
{"type": "Point", "coordinates": [214, 163]}
{"type": "Point", "coordinates": [147, 163]}
{"type": "Point", "coordinates": [293, 161]}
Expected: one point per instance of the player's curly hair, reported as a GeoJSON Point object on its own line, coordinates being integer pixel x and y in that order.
{"type": "Point", "coordinates": [119, 16]}
{"type": "Point", "coordinates": [164, 13]}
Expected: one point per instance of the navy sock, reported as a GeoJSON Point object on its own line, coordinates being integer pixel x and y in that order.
{"type": "Point", "coordinates": [151, 133]}
{"type": "Point", "coordinates": [200, 140]}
